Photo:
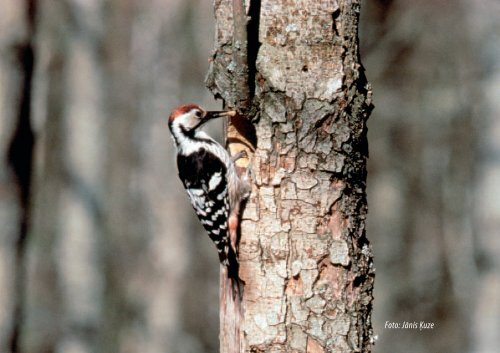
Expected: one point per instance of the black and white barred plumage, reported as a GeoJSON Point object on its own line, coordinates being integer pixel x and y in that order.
{"type": "Point", "coordinates": [209, 176]}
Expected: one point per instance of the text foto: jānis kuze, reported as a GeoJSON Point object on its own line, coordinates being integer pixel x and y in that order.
{"type": "Point", "coordinates": [407, 325]}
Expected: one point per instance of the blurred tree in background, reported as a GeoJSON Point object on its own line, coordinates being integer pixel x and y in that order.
{"type": "Point", "coordinates": [114, 258]}
{"type": "Point", "coordinates": [433, 173]}
{"type": "Point", "coordinates": [116, 261]}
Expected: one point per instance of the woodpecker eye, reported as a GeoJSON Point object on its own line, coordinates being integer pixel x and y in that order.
{"type": "Point", "coordinates": [198, 113]}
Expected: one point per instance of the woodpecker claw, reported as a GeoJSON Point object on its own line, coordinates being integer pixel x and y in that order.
{"type": "Point", "coordinates": [241, 154]}
{"type": "Point", "coordinates": [250, 175]}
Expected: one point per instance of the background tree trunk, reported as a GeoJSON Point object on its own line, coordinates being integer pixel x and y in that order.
{"type": "Point", "coordinates": [106, 265]}
{"type": "Point", "coordinates": [16, 162]}
{"type": "Point", "coordinates": [305, 259]}
{"type": "Point", "coordinates": [430, 216]}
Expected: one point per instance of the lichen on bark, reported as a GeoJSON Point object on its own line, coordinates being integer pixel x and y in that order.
{"type": "Point", "coordinates": [305, 258]}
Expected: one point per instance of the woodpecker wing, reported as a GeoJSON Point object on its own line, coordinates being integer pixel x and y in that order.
{"type": "Point", "coordinates": [204, 177]}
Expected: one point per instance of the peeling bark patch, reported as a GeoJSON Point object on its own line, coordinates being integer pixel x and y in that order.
{"type": "Point", "coordinates": [295, 286]}
{"type": "Point", "coordinates": [313, 346]}
{"type": "Point", "coordinates": [279, 246]}
{"type": "Point", "coordinates": [339, 253]}
{"type": "Point", "coordinates": [278, 176]}
{"type": "Point", "coordinates": [267, 198]}
{"type": "Point", "coordinates": [306, 224]}
{"type": "Point", "coordinates": [276, 111]}
{"type": "Point", "coordinates": [288, 191]}
{"type": "Point", "coordinates": [298, 338]}
{"type": "Point", "coordinates": [328, 283]}
{"type": "Point", "coordinates": [316, 304]}
{"type": "Point", "coordinates": [337, 224]}
{"type": "Point", "coordinates": [296, 267]}
{"type": "Point", "coordinates": [334, 165]}
{"type": "Point", "coordinates": [304, 180]}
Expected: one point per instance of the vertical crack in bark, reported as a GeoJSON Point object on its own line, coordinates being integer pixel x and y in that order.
{"type": "Point", "coordinates": [20, 158]}
{"type": "Point", "coordinates": [240, 56]}
{"type": "Point", "coordinates": [253, 44]}
{"type": "Point", "coordinates": [245, 47]}
{"type": "Point", "coordinates": [240, 135]}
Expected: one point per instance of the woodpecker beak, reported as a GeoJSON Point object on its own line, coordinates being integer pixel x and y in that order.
{"type": "Point", "coordinates": [214, 115]}
{"type": "Point", "coordinates": [218, 114]}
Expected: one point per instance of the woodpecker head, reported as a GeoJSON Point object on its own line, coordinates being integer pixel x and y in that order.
{"type": "Point", "coordinates": [189, 117]}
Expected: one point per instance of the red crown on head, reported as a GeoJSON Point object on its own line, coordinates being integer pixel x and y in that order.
{"type": "Point", "coordinates": [182, 109]}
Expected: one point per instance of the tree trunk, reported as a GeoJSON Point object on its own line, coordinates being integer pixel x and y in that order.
{"type": "Point", "coordinates": [305, 258]}
{"type": "Point", "coordinates": [16, 156]}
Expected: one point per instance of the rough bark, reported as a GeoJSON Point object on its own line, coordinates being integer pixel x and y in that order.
{"type": "Point", "coordinates": [305, 258]}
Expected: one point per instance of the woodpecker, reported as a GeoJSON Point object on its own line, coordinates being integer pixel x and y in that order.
{"type": "Point", "coordinates": [210, 178]}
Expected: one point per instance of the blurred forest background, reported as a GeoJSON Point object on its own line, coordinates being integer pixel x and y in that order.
{"type": "Point", "coordinates": [99, 248]}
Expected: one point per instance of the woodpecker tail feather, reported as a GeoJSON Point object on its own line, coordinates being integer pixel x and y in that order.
{"type": "Point", "coordinates": [233, 273]}
{"type": "Point", "coordinates": [233, 267]}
